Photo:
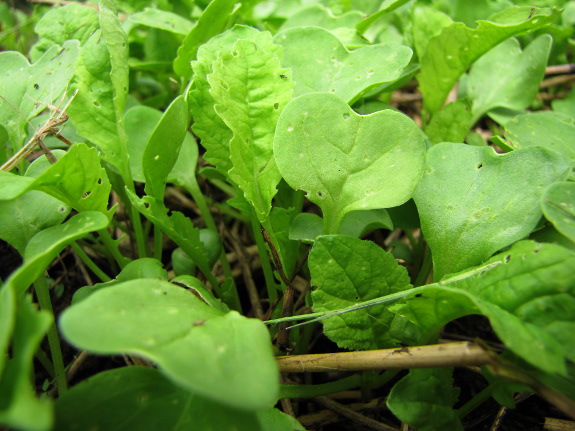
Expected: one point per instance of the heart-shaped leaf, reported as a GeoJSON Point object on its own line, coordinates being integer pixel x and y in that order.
{"type": "Point", "coordinates": [483, 202]}
{"type": "Point", "coordinates": [335, 69]}
{"type": "Point", "coordinates": [345, 161]}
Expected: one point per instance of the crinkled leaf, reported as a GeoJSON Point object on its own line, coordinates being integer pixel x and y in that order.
{"type": "Point", "coordinates": [92, 112]}
{"type": "Point", "coordinates": [59, 24]}
{"type": "Point", "coordinates": [345, 161]}
{"type": "Point", "coordinates": [163, 147]}
{"type": "Point", "coordinates": [176, 226]}
{"type": "Point", "coordinates": [251, 89]}
{"type": "Point", "coordinates": [47, 244]}
{"type": "Point", "coordinates": [336, 70]}
{"type": "Point", "coordinates": [543, 129]}
{"type": "Point", "coordinates": [213, 354]}
{"type": "Point", "coordinates": [519, 74]}
{"type": "Point", "coordinates": [345, 271]}
{"type": "Point", "coordinates": [213, 21]}
{"type": "Point", "coordinates": [117, 46]}
{"type": "Point", "coordinates": [19, 407]}
{"type": "Point", "coordinates": [142, 398]}
{"type": "Point", "coordinates": [77, 179]}
{"type": "Point", "coordinates": [473, 202]}
{"type": "Point", "coordinates": [559, 207]}
{"type": "Point", "coordinates": [161, 19]}
{"type": "Point", "coordinates": [533, 319]}
{"type": "Point", "coordinates": [424, 399]}
{"type": "Point", "coordinates": [214, 134]}
{"type": "Point", "coordinates": [27, 88]}
{"type": "Point", "coordinates": [451, 123]}
{"type": "Point", "coordinates": [453, 51]}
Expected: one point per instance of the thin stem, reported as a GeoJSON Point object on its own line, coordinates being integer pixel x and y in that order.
{"type": "Point", "coordinates": [425, 269]}
{"type": "Point", "coordinates": [89, 262]}
{"type": "Point", "coordinates": [108, 242]}
{"type": "Point", "coordinates": [271, 285]}
{"type": "Point", "coordinates": [158, 243]}
{"type": "Point", "coordinates": [43, 295]}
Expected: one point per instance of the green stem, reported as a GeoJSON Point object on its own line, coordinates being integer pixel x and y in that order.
{"type": "Point", "coordinates": [271, 285]}
{"type": "Point", "coordinates": [108, 242]}
{"type": "Point", "coordinates": [89, 262]}
{"type": "Point", "coordinates": [310, 391]}
{"type": "Point", "coordinates": [43, 358]}
{"type": "Point", "coordinates": [477, 400]}
{"type": "Point", "coordinates": [43, 295]}
{"type": "Point", "coordinates": [158, 243]}
{"type": "Point", "coordinates": [425, 269]}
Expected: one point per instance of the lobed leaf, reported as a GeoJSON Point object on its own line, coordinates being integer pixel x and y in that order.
{"type": "Point", "coordinates": [519, 74]}
{"type": "Point", "coordinates": [250, 90]}
{"type": "Point", "coordinates": [482, 202]}
{"type": "Point", "coordinates": [457, 47]}
{"type": "Point", "coordinates": [348, 75]}
{"type": "Point", "coordinates": [213, 354]}
{"type": "Point", "coordinates": [345, 161]}
{"type": "Point", "coordinates": [345, 271]}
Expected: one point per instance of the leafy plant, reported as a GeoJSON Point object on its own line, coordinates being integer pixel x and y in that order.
{"type": "Point", "coordinates": [343, 177]}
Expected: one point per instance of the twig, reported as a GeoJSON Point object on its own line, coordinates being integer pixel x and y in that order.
{"type": "Point", "coordinates": [352, 415]}
{"type": "Point", "coordinates": [439, 355]}
{"type": "Point", "coordinates": [56, 119]}
{"type": "Point", "coordinates": [560, 69]}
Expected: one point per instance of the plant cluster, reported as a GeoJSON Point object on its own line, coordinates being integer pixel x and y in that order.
{"type": "Point", "coordinates": [393, 163]}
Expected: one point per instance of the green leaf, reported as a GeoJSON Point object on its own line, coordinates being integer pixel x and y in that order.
{"type": "Point", "coordinates": [543, 129]}
{"type": "Point", "coordinates": [348, 75]}
{"type": "Point", "coordinates": [533, 319]}
{"type": "Point", "coordinates": [250, 89]}
{"type": "Point", "coordinates": [386, 7]}
{"type": "Point", "coordinates": [213, 21]}
{"type": "Point", "coordinates": [306, 227]}
{"type": "Point", "coordinates": [213, 354]}
{"type": "Point", "coordinates": [424, 399]}
{"type": "Point", "coordinates": [428, 22]}
{"type": "Point", "coordinates": [214, 134]}
{"type": "Point", "coordinates": [93, 112]}
{"type": "Point", "coordinates": [454, 50]}
{"type": "Point", "coordinates": [19, 407]}
{"type": "Point", "coordinates": [358, 223]}
{"type": "Point", "coordinates": [23, 217]}
{"type": "Point", "coordinates": [345, 271]}
{"type": "Point", "coordinates": [139, 123]}
{"type": "Point", "coordinates": [289, 250]}
{"type": "Point", "coordinates": [519, 74]}
{"type": "Point", "coordinates": [7, 322]}
{"type": "Point", "coordinates": [142, 398]}
{"type": "Point", "coordinates": [558, 204]}
{"type": "Point", "coordinates": [117, 45]}
{"type": "Point", "coordinates": [451, 123]}
{"type": "Point", "coordinates": [160, 19]}
{"type": "Point", "coordinates": [27, 88]}
{"type": "Point", "coordinates": [474, 202]}
{"type": "Point", "coordinates": [345, 161]}
{"type": "Point", "coordinates": [43, 248]}
{"type": "Point", "coordinates": [77, 179]}
{"type": "Point", "coordinates": [59, 24]}
{"type": "Point", "coordinates": [163, 147]}
{"type": "Point", "coordinates": [177, 227]}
